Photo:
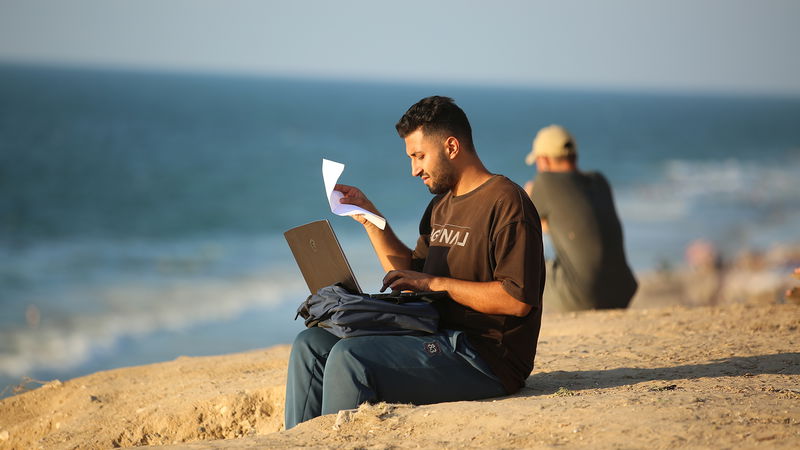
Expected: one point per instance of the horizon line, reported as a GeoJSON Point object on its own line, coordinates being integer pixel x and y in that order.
{"type": "Point", "coordinates": [349, 78]}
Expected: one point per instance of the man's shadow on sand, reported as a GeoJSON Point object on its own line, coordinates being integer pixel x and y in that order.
{"type": "Point", "coordinates": [547, 383]}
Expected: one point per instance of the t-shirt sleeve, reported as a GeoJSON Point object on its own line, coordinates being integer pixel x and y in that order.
{"type": "Point", "coordinates": [420, 252]}
{"type": "Point", "coordinates": [517, 253]}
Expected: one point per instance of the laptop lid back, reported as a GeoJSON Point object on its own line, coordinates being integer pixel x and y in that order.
{"type": "Point", "coordinates": [320, 257]}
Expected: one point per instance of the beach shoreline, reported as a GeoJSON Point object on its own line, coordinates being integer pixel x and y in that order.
{"type": "Point", "coordinates": [704, 377]}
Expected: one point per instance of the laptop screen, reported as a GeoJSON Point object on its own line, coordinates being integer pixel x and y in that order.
{"type": "Point", "coordinates": [320, 257]}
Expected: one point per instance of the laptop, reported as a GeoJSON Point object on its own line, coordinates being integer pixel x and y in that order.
{"type": "Point", "coordinates": [322, 262]}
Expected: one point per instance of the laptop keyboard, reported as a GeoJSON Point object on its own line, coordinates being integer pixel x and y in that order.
{"type": "Point", "coordinates": [404, 297]}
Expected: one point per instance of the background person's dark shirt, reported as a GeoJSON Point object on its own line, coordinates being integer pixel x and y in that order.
{"type": "Point", "coordinates": [492, 233]}
{"type": "Point", "coordinates": [590, 267]}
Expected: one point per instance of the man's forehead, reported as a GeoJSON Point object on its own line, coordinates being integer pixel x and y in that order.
{"type": "Point", "coordinates": [416, 135]}
{"type": "Point", "coordinates": [415, 141]}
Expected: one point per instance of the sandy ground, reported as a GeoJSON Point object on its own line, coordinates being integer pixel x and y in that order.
{"type": "Point", "coordinates": [709, 377]}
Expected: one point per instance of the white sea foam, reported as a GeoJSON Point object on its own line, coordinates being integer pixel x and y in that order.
{"type": "Point", "coordinates": [736, 204]}
{"type": "Point", "coordinates": [88, 295]}
{"type": "Point", "coordinates": [135, 311]}
{"type": "Point", "coordinates": [683, 185]}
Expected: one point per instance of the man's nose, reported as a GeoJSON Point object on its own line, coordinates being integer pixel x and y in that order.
{"type": "Point", "coordinates": [415, 170]}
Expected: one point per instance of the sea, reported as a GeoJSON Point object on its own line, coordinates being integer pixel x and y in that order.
{"type": "Point", "coordinates": [142, 213]}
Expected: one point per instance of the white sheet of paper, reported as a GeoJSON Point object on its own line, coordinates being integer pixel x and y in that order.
{"type": "Point", "coordinates": [331, 171]}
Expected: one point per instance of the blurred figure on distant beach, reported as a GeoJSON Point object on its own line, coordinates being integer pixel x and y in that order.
{"type": "Point", "coordinates": [706, 275]}
{"type": "Point", "coordinates": [590, 269]}
{"type": "Point", "coordinates": [793, 294]}
{"type": "Point", "coordinates": [707, 278]}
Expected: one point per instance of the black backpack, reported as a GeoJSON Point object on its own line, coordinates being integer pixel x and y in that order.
{"type": "Point", "coordinates": [345, 314]}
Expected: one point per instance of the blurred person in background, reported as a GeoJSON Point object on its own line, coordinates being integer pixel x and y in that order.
{"type": "Point", "coordinates": [590, 270]}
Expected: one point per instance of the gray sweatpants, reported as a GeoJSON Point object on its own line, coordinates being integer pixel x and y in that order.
{"type": "Point", "coordinates": [328, 374]}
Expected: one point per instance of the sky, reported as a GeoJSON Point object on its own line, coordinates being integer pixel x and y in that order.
{"type": "Point", "coordinates": [742, 46]}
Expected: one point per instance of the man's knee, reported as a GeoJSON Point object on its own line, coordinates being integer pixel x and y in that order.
{"type": "Point", "coordinates": [345, 356]}
{"type": "Point", "coordinates": [305, 338]}
{"type": "Point", "coordinates": [313, 342]}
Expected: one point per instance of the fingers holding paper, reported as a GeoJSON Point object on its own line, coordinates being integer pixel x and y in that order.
{"type": "Point", "coordinates": [360, 208]}
{"type": "Point", "coordinates": [352, 195]}
{"type": "Point", "coordinates": [331, 170]}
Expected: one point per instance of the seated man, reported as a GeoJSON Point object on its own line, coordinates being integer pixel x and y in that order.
{"type": "Point", "coordinates": [480, 240]}
{"type": "Point", "coordinates": [590, 270]}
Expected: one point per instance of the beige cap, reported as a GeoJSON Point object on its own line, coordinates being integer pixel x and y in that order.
{"type": "Point", "coordinates": [554, 142]}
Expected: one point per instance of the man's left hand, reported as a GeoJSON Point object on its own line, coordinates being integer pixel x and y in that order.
{"type": "Point", "coordinates": [407, 280]}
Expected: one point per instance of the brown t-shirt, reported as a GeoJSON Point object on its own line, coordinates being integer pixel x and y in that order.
{"type": "Point", "coordinates": [492, 233]}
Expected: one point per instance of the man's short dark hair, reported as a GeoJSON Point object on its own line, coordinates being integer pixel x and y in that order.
{"type": "Point", "coordinates": [573, 158]}
{"type": "Point", "coordinates": [438, 116]}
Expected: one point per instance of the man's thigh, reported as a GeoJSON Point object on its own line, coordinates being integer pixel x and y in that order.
{"type": "Point", "coordinates": [416, 369]}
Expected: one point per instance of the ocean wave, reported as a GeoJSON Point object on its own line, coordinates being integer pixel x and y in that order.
{"type": "Point", "coordinates": [684, 186]}
{"type": "Point", "coordinates": [72, 337]}
{"type": "Point", "coordinates": [735, 204]}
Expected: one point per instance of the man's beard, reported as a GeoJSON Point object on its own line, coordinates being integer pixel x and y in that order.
{"type": "Point", "coordinates": [444, 180]}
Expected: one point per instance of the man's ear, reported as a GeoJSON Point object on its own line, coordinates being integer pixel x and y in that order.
{"type": "Point", "coordinates": [542, 163]}
{"type": "Point", "coordinates": [452, 147]}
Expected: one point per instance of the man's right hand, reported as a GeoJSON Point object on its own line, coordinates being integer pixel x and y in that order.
{"type": "Point", "coordinates": [392, 253]}
{"type": "Point", "coordinates": [353, 196]}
